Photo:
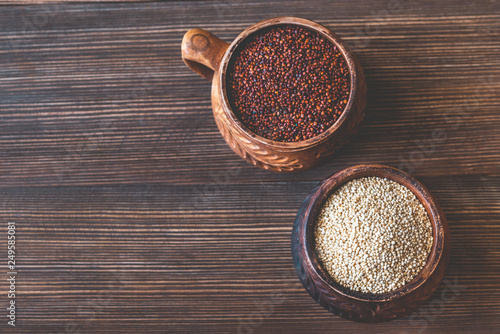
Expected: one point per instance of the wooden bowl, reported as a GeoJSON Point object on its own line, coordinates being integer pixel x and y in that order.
{"type": "Point", "coordinates": [209, 56]}
{"type": "Point", "coordinates": [355, 305]}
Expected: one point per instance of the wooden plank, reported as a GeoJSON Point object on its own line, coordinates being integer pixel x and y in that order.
{"type": "Point", "coordinates": [169, 259]}
{"type": "Point", "coordinates": [135, 217]}
{"type": "Point", "coordinates": [106, 98]}
{"type": "Point", "coordinates": [50, 2]}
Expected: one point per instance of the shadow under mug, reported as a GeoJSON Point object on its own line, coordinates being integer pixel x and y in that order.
{"type": "Point", "coordinates": [210, 56]}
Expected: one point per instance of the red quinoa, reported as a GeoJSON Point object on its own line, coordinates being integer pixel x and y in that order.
{"type": "Point", "coordinates": [287, 83]}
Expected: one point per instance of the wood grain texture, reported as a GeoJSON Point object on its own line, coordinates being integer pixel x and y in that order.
{"type": "Point", "coordinates": [135, 217]}
{"type": "Point", "coordinates": [99, 88]}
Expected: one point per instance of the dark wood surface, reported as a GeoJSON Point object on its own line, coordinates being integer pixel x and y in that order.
{"type": "Point", "coordinates": [133, 214]}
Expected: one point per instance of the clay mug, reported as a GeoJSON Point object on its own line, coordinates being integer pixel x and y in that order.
{"type": "Point", "coordinates": [210, 56]}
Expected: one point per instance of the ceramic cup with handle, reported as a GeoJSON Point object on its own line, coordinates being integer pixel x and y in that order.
{"type": "Point", "coordinates": [210, 56]}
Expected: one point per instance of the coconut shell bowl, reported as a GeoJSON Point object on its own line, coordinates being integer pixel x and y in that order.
{"type": "Point", "coordinates": [210, 57]}
{"type": "Point", "coordinates": [358, 306]}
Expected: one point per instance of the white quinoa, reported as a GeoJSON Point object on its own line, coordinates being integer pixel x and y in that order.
{"type": "Point", "coordinates": [373, 235]}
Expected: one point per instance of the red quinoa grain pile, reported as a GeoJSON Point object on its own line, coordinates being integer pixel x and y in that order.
{"type": "Point", "coordinates": [287, 83]}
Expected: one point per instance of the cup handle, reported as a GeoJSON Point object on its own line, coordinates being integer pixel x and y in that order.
{"type": "Point", "coordinates": [202, 52]}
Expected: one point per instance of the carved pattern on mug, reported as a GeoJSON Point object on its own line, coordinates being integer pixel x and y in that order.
{"type": "Point", "coordinates": [251, 151]}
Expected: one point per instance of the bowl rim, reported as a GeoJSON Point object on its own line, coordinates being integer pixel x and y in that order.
{"type": "Point", "coordinates": [436, 216]}
{"type": "Point", "coordinates": [311, 25]}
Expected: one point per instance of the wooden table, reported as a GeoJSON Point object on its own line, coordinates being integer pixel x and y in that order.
{"type": "Point", "coordinates": [134, 216]}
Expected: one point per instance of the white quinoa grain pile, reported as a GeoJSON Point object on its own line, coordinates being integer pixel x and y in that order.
{"type": "Point", "coordinates": [373, 235]}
